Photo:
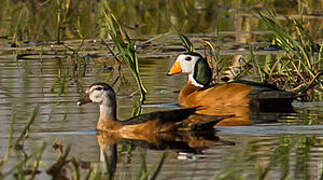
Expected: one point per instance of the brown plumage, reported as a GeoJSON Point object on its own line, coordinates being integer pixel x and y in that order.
{"type": "Point", "coordinates": [183, 140]}
{"type": "Point", "coordinates": [143, 126]}
{"type": "Point", "coordinates": [239, 98]}
{"type": "Point", "coordinates": [222, 95]}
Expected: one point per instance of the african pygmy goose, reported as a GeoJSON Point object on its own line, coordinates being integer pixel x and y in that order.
{"type": "Point", "coordinates": [224, 98]}
{"type": "Point", "coordinates": [146, 124]}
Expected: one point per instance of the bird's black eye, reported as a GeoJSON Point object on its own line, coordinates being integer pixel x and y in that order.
{"type": "Point", "coordinates": [188, 58]}
{"type": "Point", "coordinates": [98, 88]}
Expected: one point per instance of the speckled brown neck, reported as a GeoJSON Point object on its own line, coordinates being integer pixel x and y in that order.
{"type": "Point", "coordinates": [105, 124]}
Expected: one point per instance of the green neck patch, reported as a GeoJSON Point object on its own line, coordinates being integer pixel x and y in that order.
{"type": "Point", "coordinates": [202, 72]}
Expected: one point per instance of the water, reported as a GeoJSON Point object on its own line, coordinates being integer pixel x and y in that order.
{"type": "Point", "coordinates": [281, 146]}
{"type": "Point", "coordinates": [53, 85]}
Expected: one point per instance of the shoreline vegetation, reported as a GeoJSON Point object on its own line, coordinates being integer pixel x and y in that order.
{"type": "Point", "coordinates": [290, 46]}
{"type": "Point", "coordinates": [291, 59]}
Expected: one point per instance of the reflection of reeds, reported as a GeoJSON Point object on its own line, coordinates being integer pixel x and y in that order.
{"type": "Point", "coordinates": [153, 172]}
{"type": "Point", "coordinates": [288, 151]}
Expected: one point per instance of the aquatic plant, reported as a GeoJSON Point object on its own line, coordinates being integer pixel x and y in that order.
{"type": "Point", "coordinates": [21, 170]}
{"type": "Point", "coordinates": [212, 55]}
{"type": "Point", "coordinates": [299, 67]}
{"type": "Point", "coordinates": [286, 151]}
{"type": "Point", "coordinates": [152, 173]}
{"type": "Point", "coordinates": [187, 44]}
{"type": "Point", "coordinates": [66, 166]}
{"type": "Point", "coordinates": [124, 45]}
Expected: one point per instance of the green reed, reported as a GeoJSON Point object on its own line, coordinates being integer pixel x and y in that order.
{"type": "Point", "coordinates": [44, 20]}
{"type": "Point", "coordinates": [301, 61]}
{"type": "Point", "coordinates": [58, 20]}
{"type": "Point", "coordinates": [21, 169]}
{"type": "Point", "coordinates": [124, 45]}
{"type": "Point", "coordinates": [10, 138]}
{"type": "Point", "coordinates": [25, 132]}
{"type": "Point", "coordinates": [155, 170]}
{"type": "Point", "coordinates": [62, 10]}
{"type": "Point", "coordinates": [186, 43]}
{"type": "Point", "coordinates": [216, 61]}
{"type": "Point", "coordinates": [289, 150]}
{"type": "Point", "coordinates": [298, 69]}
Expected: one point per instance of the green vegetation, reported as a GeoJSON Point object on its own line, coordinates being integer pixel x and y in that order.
{"type": "Point", "coordinates": [124, 45]}
{"type": "Point", "coordinates": [299, 67]}
{"type": "Point", "coordinates": [268, 159]}
{"type": "Point", "coordinates": [62, 20]}
{"type": "Point", "coordinates": [125, 48]}
{"type": "Point", "coordinates": [90, 30]}
{"type": "Point", "coordinates": [66, 166]}
{"type": "Point", "coordinates": [187, 44]}
{"type": "Point", "coordinates": [21, 170]}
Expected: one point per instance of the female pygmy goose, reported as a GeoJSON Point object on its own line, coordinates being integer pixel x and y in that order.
{"type": "Point", "coordinates": [142, 126]}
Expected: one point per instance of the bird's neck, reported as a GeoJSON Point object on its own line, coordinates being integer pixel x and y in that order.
{"type": "Point", "coordinates": [192, 80]}
{"type": "Point", "coordinates": [108, 109]}
{"type": "Point", "coordinates": [108, 116]}
{"type": "Point", "coordinates": [185, 92]}
{"type": "Point", "coordinates": [201, 74]}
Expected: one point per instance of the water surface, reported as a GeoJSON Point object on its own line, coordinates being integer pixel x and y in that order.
{"type": "Point", "coordinates": [287, 145]}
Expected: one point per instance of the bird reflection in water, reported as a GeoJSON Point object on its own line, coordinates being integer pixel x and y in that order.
{"type": "Point", "coordinates": [185, 143]}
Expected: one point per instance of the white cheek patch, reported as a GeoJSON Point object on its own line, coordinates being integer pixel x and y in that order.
{"type": "Point", "coordinates": [183, 63]}
{"type": "Point", "coordinates": [187, 66]}
{"type": "Point", "coordinates": [96, 97]}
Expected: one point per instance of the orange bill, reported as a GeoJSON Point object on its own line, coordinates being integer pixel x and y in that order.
{"type": "Point", "coordinates": [175, 69]}
{"type": "Point", "coordinates": [84, 100]}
